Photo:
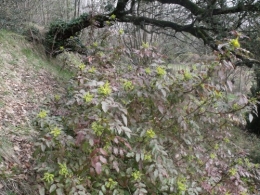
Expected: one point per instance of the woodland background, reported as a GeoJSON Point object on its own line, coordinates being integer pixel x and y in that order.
{"type": "Point", "coordinates": [129, 97]}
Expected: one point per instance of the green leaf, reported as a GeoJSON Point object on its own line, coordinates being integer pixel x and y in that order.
{"type": "Point", "coordinates": [124, 119]}
{"type": "Point", "coordinates": [105, 106]}
{"type": "Point", "coordinates": [41, 190]}
{"type": "Point", "coordinates": [53, 187]}
{"type": "Point", "coordinates": [137, 157]}
{"type": "Point", "coordinates": [59, 191]}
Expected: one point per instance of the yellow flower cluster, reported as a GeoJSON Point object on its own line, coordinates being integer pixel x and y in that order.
{"type": "Point", "coordinates": [212, 156]}
{"type": "Point", "coordinates": [92, 70]}
{"type": "Point", "coordinates": [232, 171]}
{"type": "Point", "coordinates": [121, 31]}
{"type": "Point", "coordinates": [145, 45]}
{"type": "Point", "coordinates": [136, 175]}
{"type": "Point", "coordinates": [148, 71]}
{"type": "Point", "coordinates": [187, 75]}
{"type": "Point", "coordinates": [235, 43]}
{"type": "Point", "coordinates": [105, 89]}
{"type": "Point", "coordinates": [63, 169]}
{"type": "Point", "coordinates": [97, 128]}
{"type": "Point", "coordinates": [113, 17]}
{"type": "Point", "coordinates": [48, 177]}
{"type": "Point", "coordinates": [88, 97]}
{"type": "Point", "coordinates": [147, 157]}
{"type": "Point", "coordinates": [182, 187]}
{"type": "Point", "coordinates": [160, 71]}
{"type": "Point", "coordinates": [56, 132]}
{"type": "Point", "coordinates": [82, 66]}
{"type": "Point", "coordinates": [150, 133]}
{"type": "Point", "coordinates": [42, 114]}
{"type": "Point", "coordinates": [128, 85]}
{"type": "Point", "coordinates": [111, 184]}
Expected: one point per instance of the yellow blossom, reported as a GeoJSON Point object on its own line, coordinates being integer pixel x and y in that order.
{"type": "Point", "coordinates": [160, 71]}
{"type": "Point", "coordinates": [56, 132]}
{"type": "Point", "coordinates": [95, 44]}
{"type": "Point", "coordinates": [88, 97]}
{"type": "Point", "coordinates": [97, 128]}
{"type": "Point", "coordinates": [181, 185]}
{"type": "Point", "coordinates": [145, 45]}
{"type": "Point", "coordinates": [147, 157]}
{"type": "Point", "coordinates": [42, 114]}
{"type": "Point", "coordinates": [92, 70]}
{"type": "Point", "coordinates": [111, 184]}
{"type": "Point", "coordinates": [121, 31]}
{"type": "Point", "coordinates": [105, 89]}
{"type": "Point", "coordinates": [82, 66]}
{"type": "Point", "coordinates": [232, 171]}
{"type": "Point", "coordinates": [150, 133]}
{"type": "Point", "coordinates": [48, 177]}
{"type": "Point", "coordinates": [187, 75]}
{"type": "Point", "coordinates": [63, 169]}
{"type": "Point", "coordinates": [136, 175]}
{"type": "Point", "coordinates": [235, 43]}
{"type": "Point", "coordinates": [128, 85]}
{"type": "Point", "coordinates": [113, 16]}
{"type": "Point", "coordinates": [148, 71]}
{"type": "Point", "coordinates": [212, 156]}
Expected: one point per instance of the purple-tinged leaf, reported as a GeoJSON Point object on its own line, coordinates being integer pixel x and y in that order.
{"type": "Point", "coordinates": [115, 151]}
{"type": "Point", "coordinates": [161, 109]}
{"type": "Point", "coordinates": [98, 168]}
{"type": "Point", "coordinates": [115, 166]}
{"type": "Point", "coordinates": [230, 85]}
{"type": "Point", "coordinates": [102, 159]}
{"type": "Point", "coordinates": [124, 119]}
{"type": "Point", "coordinates": [102, 151]}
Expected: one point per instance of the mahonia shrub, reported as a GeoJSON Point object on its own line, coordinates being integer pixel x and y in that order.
{"type": "Point", "coordinates": [125, 129]}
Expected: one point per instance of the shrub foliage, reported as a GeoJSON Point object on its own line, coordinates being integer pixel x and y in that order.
{"type": "Point", "coordinates": [125, 129]}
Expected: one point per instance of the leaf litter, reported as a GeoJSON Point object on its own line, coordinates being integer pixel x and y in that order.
{"type": "Point", "coordinates": [23, 89]}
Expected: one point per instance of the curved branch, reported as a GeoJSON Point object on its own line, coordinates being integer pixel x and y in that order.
{"type": "Point", "coordinates": [195, 31]}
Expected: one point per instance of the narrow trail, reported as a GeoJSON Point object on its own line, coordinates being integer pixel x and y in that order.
{"type": "Point", "coordinates": [24, 88]}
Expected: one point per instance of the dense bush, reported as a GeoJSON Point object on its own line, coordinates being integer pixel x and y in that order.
{"type": "Point", "coordinates": [123, 129]}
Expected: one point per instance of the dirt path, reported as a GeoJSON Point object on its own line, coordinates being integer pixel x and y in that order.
{"type": "Point", "coordinates": [24, 86]}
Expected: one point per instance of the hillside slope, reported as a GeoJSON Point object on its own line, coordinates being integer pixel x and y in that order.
{"type": "Point", "coordinates": [26, 80]}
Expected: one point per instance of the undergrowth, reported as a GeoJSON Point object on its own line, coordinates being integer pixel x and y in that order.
{"type": "Point", "coordinates": [126, 129]}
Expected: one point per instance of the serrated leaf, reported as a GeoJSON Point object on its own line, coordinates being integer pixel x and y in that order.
{"type": "Point", "coordinates": [103, 188]}
{"type": "Point", "coordinates": [41, 190]}
{"type": "Point", "coordinates": [155, 173]}
{"type": "Point", "coordinates": [80, 187]}
{"type": "Point", "coordinates": [43, 147]}
{"type": "Point", "coordinates": [250, 117]}
{"type": "Point", "coordinates": [105, 106]}
{"type": "Point", "coordinates": [115, 166]}
{"type": "Point", "coordinates": [230, 85]}
{"type": "Point", "coordinates": [163, 92]}
{"type": "Point", "coordinates": [59, 191]}
{"type": "Point", "coordinates": [53, 187]}
{"type": "Point", "coordinates": [126, 129]}
{"type": "Point", "coordinates": [137, 157]}
{"type": "Point", "coordinates": [161, 109]}
{"type": "Point", "coordinates": [98, 168]}
{"type": "Point", "coordinates": [124, 119]}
